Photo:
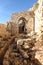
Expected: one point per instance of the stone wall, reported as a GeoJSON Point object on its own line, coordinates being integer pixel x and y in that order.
{"type": "Point", "coordinates": [29, 21]}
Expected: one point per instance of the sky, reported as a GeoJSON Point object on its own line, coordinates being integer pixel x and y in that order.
{"type": "Point", "coordinates": [7, 7]}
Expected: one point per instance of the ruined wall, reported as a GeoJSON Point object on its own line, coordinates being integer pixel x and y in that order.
{"type": "Point", "coordinates": [39, 17]}
{"type": "Point", "coordinates": [29, 23]}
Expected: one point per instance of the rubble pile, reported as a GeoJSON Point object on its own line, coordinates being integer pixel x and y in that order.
{"type": "Point", "coordinates": [20, 53]}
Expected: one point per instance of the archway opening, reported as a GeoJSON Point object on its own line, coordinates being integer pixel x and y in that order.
{"type": "Point", "coordinates": [22, 25]}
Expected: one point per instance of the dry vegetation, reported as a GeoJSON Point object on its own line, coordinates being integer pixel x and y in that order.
{"type": "Point", "coordinates": [3, 39]}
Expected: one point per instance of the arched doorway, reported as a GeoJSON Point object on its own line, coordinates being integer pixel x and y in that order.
{"type": "Point", "coordinates": [22, 25]}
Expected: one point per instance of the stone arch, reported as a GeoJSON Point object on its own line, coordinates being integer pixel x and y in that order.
{"type": "Point", "coordinates": [22, 25]}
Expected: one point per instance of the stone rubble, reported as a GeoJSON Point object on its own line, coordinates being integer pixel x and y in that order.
{"type": "Point", "coordinates": [21, 52]}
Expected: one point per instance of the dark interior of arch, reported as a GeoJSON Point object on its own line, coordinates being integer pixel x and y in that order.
{"type": "Point", "coordinates": [22, 28]}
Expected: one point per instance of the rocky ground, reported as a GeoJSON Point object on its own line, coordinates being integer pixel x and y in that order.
{"type": "Point", "coordinates": [24, 51]}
